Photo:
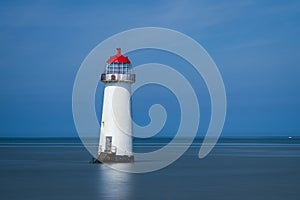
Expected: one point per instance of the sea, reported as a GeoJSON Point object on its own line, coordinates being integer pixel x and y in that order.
{"type": "Point", "coordinates": [237, 168]}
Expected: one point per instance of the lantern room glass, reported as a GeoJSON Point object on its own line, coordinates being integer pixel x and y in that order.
{"type": "Point", "coordinates": [118, 68]}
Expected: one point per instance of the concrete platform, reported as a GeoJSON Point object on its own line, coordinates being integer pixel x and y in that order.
{"type": "Point", "coordinates": [108, 157]}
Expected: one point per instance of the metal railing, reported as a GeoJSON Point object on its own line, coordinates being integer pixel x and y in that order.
{"type": "Point", "coordinates": [130, 78]}
{"type": "Point", "coordinates": [112, 150]}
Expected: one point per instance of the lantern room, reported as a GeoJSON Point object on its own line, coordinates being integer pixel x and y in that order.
{"type": "Point", "coordinates": [118, 69]}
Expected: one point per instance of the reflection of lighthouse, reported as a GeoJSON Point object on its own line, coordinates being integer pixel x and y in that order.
{"type": "Point", "coordinates": [116, 127]}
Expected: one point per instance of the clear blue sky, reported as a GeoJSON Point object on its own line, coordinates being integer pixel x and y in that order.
{"type": "Point", "coordinates": [255, 44]}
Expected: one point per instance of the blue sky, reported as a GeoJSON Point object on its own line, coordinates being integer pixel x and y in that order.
{"type": "Point", "coordinates": [255, 44]}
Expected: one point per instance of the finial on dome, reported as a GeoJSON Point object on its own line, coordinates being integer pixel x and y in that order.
{"type": "Point", "coordinates": [119, 50]}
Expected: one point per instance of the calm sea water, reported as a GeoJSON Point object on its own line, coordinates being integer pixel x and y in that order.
{"type": "Point", "coordinates": [265, 168]}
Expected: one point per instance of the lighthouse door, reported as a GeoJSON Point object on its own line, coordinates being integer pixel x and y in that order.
{"type": "Point", "coordinates": [108, 143]}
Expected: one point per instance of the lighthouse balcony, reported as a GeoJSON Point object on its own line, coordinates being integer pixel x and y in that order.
{"type": "Point", "coordinates": [115, 77]}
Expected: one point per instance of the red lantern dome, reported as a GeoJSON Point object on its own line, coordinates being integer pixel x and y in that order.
{"type": "Point", "coordinates": [118, 58]}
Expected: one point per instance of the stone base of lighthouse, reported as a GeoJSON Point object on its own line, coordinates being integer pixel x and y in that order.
{"type": "Point", "coordinates": [109, 157]}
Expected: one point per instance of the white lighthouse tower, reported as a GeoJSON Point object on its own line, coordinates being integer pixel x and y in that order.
{"type": "Point", "coordinates": [115, 143]}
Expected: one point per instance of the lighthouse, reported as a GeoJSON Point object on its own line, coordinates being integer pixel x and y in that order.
{"type": "Point", "coordinates": [115, 143]}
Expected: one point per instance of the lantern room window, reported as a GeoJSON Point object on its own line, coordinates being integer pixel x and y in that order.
{"type": "Point", "coordinates": [118, 68]}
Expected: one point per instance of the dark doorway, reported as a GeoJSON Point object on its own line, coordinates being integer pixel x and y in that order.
{"type": "Point", "coordinates": [108, 142]}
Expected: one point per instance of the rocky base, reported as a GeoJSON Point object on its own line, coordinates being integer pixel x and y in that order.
{"type": "Point", "coordinates": [113, 158]}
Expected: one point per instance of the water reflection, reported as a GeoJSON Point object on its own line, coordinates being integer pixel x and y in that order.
{"type": "Point", "coordinates": [114, 184]}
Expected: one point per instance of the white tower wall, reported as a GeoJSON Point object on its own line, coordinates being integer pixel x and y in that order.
{"type": "Point", "coordinates": [116, 120]}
